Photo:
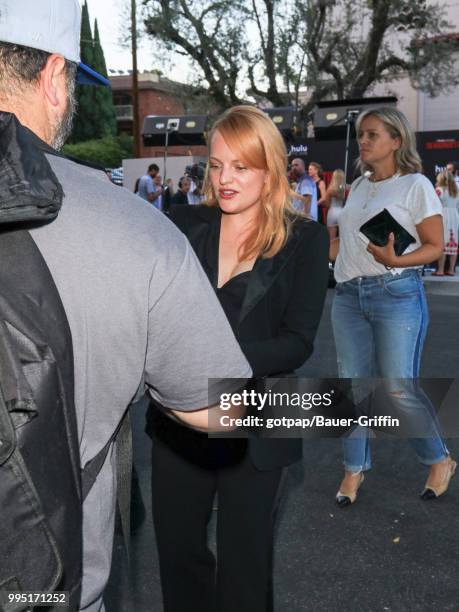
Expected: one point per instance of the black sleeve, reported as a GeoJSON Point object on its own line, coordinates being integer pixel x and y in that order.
{"type": "Point", "coordinates": [181, 215]}
{"type": "Point", "coordinates": [294, 343]}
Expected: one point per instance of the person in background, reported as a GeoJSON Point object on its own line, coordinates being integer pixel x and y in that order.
{"type": "Point", "coordinates": [315, 171]}
{"type": "Point", "coordinates": [269, 268]}
{"type": "Point", "coordinates": [334, 201]}
{"type": "Point", "coordinates": [180, 197]}
{"type": "Point", "coordinates": [305, 187]}
{"type": "Point", "coordinates": [158, 183]}
{"type": "Point", "coordinates": [448, 193]}
{"type": "Point", "coordinates": [379, 313]}
{"type": "Point", "coordinates": [147, 188]}
{"type": "Point", "coordinates": [453, 168]}
{"type": "Point", "coordinates": [168, 192]}
{"type": "Point", "coordinates": [194, 193]}
{"type": "Point", "coordinates": [196, 175]}
{"type": "Point", "coordinates": [163, 201]}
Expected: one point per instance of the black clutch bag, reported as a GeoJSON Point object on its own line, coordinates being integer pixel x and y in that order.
{"type": "Point", "coordinates": [378, 228]}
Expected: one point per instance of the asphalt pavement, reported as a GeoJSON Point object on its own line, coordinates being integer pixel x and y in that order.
{"type": "Point", "coordinates": [388, 552]}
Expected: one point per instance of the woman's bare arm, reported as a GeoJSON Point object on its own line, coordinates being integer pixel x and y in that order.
{"type": "Point", "coordinates": [334, 248]}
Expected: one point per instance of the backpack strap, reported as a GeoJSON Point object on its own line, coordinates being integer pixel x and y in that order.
{"type": "Point", "coordinates": [92, 468]}
{"type": "Point", "coordinates": [124, 478]}
{"type": "Point", "coordinates": [122, 437]}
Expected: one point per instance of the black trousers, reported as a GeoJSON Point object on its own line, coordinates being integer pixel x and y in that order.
{"type": "Point", "coordinates": [192, 579]}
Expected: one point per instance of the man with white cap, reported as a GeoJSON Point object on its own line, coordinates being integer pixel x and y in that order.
{"type": "Point", "coordinates": [123, 272]}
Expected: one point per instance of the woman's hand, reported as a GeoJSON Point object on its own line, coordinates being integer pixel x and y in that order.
{"type": "Point", "coordinates": [430, 232]}
{"type": "Point", "coordinates": [386, 254]}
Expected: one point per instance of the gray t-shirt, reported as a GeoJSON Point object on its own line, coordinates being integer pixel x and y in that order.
{"type": "Point", "coordinates": [142, 315]}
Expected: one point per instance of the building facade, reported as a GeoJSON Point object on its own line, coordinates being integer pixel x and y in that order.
{"type": "Point", "coordinates": [157, 96]}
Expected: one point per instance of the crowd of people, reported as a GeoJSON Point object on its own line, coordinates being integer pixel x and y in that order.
{"type": "Point", "coordinates": [163, 196]}
{"type": "Point", "coordinates": [313, 198]}
{"type": "Point", "coordinates": [248, 262]}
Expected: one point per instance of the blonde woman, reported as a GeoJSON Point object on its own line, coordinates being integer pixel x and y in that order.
{"type": "Point", "coordinates": [269, 268]}
{"type": "Point", "coordinates": [449, 196]}
{"type": "Point", "coordinates": [334, 201]}
{"type": "Point", "coordinates": [380, 317]}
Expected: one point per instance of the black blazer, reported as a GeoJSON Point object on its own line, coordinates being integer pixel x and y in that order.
{"type": "Point", "coordinates": [281, 310]}
{"type": "Point", "coordinates": [179, 198]}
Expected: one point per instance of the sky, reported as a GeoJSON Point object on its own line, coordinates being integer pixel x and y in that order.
{"type": "Point", "coordinates": [109, 15]}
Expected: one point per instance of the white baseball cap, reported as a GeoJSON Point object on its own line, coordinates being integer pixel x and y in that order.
{"type": "Point", "coordinates": [49, 25]}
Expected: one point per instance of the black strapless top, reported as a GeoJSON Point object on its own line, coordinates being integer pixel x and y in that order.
{"type": "Point", "coordinates": [231, 296]}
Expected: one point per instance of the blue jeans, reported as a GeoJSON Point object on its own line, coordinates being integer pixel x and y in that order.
{"type": "Point", "coordinates": [380, 324]}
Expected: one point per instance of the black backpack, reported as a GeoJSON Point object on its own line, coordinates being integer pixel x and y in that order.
{"type": "Point", "coordinates": [40, 478]}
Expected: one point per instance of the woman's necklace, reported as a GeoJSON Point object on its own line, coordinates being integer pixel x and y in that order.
{"type": "Point", "coordinates": [374, 186]}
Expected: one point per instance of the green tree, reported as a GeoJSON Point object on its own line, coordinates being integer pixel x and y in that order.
{"type": "Point", "coordinates": [83, 127]}
{"type": "Point", "coordinates": [104, 111]}
{"type": "Point", "coordinates": [107, 152]}
{"type": "Point", "coordinates": [95, 117]}
{"type": "Point", "coordinates": [335, 48]}
{"type": "Point", "coordinates": [340, 49]}
{"type": "Point", "coordinates": [209, 33]}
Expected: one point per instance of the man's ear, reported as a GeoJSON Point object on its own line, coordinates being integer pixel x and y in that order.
{"type": "Point", "coordinates": [52, 81]}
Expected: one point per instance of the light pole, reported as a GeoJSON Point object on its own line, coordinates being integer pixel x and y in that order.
{"type": "Point", "coordinates": [351, 116]}
{"type": "Point", "coordinates": [135, 82]}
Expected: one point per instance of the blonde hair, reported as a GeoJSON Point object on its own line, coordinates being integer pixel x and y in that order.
{"type": "Point", "coordinates": [446, 180]}
{"type": "Point", "coordinates": [407, 159]}
{"type": "Point", "coordinates": [257, 142]}
{"type": "Point", "coordinates": [337, 185]}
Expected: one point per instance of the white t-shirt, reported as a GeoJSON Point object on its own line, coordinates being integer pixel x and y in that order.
{"type": "Point", "coordinates": [410, 199]}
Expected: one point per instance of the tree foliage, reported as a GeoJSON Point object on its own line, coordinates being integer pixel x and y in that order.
{"type": "Point", "coordinates": [269, 49]}
{"type": "Point", "coordinates": [209, 33]}
{"type": "Point", "coordinates": [349, 47]}
{"type": "Point", "coordinates": [95, 117]}
{"type": "Point", "coordinates": [83, 126]}
{"type": "Point", "coordinates": [104, 110]}
{"type": "Point", "coordinates": [108, 152]}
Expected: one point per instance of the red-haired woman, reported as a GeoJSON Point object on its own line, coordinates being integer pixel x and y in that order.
{"type": "Point", "coordinates": [269, 268]}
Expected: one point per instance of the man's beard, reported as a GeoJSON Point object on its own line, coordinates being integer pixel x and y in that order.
{"type": "Point", "coordinates": [63, 128]}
